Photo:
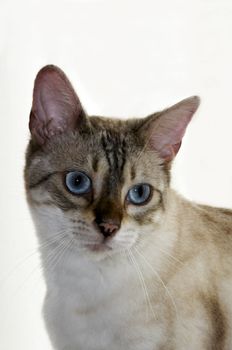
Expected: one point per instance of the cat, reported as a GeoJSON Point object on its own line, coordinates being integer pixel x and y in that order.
{"type": "Point", "coordinates": [128, 263]}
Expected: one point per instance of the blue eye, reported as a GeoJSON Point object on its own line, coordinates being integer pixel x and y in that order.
{"type": "Point", "coordinates": [139, 194]}
{"type": "Point", "coordinates": [77, 182]}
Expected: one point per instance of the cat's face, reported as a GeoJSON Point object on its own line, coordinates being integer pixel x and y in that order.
{"type": "Point", "coordinates": [101, 188]}
{"type": "Point", "coordinates": [97, 183]}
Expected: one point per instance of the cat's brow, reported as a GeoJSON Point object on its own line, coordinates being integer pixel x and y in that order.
{"type": "Point", "coordinates": [132, 172]}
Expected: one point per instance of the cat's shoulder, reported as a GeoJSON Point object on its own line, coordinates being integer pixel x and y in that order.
{"type": "Point", "coordinates": [217, 218]}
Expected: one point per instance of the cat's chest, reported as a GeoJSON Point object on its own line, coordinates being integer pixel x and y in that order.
{"type": "Point", "coordinates": [97, 308]}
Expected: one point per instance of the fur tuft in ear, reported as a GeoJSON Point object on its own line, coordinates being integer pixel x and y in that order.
{"type": "Point", "coordinates": [56, 107]}
{"type": "Point", "coordinates": [165, 130]}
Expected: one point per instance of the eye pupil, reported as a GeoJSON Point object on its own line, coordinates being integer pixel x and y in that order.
{"type": "Point", "coordinates": [139, 194]}
{"type": "Point", "coordinates": [140, 191]}
{"type": "Point", "coordinates": [78, 182]}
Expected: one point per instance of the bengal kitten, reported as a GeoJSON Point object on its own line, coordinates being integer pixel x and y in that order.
{"type": "Point", "coordinates": [128, 263]}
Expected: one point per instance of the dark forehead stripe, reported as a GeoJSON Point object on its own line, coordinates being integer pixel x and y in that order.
{"type": "Point", "coordinates": [114, 146]}
{"type": "Point", "coordinates": [95, 163]}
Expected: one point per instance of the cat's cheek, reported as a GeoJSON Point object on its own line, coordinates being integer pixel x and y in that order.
{"type": "Point", "coordinates": [139, 216]}
{"type": "Point", "coordinates": [49, 220]}
{"type": "Point", "coordinates": [38, 196]}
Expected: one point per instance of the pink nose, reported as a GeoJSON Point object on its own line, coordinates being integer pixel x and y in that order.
{"type": "Point", "coordinates": [108, 228]}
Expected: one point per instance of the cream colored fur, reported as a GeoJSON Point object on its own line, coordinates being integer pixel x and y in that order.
{"type": "Point", "coordinates": [157, 294]}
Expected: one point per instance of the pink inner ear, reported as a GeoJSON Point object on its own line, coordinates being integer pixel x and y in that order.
{"type": "Point", "coordinates": [56, 106]}
{"type": "Point", "coordinates": [168, 152]}
{"type": "Point", "coordinates": [169, 128]}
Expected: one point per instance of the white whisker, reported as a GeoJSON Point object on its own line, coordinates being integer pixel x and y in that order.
{"type": "Point", "coordinates": [141, 278]}
{"type": "Point", "coordinates": [160, 279]}
{"type": "Point", "coordinates": [58, 256]}
{"type": "Point", "coordinates": [31, 254]}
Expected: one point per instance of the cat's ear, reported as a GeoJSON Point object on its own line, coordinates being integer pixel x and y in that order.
{"type": "Point", "coordinates": [56, 107]}
{"type": "Point", "coordinates": [164, 131]}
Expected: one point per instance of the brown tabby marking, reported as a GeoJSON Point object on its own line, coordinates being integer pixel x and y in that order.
{"type": "Point", "coordinates": [218, 321]}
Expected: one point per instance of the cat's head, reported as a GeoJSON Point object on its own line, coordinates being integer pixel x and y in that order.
{"type": "Point", "coordinates": [97, 182]}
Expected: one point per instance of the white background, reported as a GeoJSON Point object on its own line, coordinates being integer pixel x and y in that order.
{"type": "Point", "coordinates": [125, 58]}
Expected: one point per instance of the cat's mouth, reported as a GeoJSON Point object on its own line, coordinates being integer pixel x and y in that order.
{"type": "Point", "coordinates": [99, 247]}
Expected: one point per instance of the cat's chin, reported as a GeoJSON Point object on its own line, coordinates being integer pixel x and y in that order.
{"type": "Point", "coordinates": [98, 252]}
